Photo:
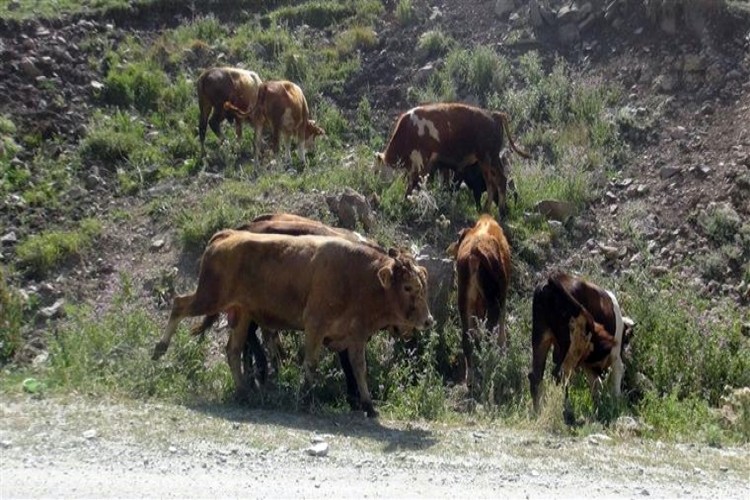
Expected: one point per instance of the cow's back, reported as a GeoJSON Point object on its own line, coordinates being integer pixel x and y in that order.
{"type": "Point", "coordinates": [455, 133]}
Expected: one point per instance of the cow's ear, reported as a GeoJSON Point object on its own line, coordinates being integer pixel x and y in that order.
{"type": "Point", "coordinates": [385, 275]}
{"type": "Point", "coordinates": [452, 249]}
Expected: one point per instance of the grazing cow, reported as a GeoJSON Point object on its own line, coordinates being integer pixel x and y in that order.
{"type": "Point", "coordinates": [454, 135]}
{"type": "Point", "coordinates": [217, 86]}
{"type": "Point", "coordinates": [338, 292]}
{"type": "Point", "coordinates": [483, 274]}
{"type": "Point", "coordinates": [293, 225]}
{"type": "Point", "coordinates": [584, 324]}
{"type": "Point", "coordinates": [282, 107]}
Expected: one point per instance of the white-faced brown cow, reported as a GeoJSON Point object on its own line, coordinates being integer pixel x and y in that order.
{"type": "Point", "coordinates": [585, 326]}
{"type": "Point", "coordinates": [338, 292]}
{"type": "Point", "coordinates": [283, 108]}
{"type": "Point", "coordinates": [216, 86]}
{"type": "Point", "coordinates": [453, 135]}
{"type": "Point", "coordinates": [483, 274]}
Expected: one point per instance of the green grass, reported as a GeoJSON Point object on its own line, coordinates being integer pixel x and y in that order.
{"type": "Point", "coordinates": [405, 12]}
{"type": "Point", "coordinates": [12, 320]}
{"type": "Point", "coordinates": [41, 253]}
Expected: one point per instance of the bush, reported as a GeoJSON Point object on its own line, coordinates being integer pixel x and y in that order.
{"type": "Point", "coordinates": [137, 84]}
{"type": "Point", "coordinates": [681, 356]}
{"type": "Point", "coordinates": [405, 12]}
{"type": "Point", "coordinates": [42, 252]}
{"type": "Point", "coordinates": [316, 14]}
{"type": "Point", "coordinates": [11, 321]}
{"type": "Point", "coordinates": [102, 353]}
{"type": "Point", "coordinates": [356, 38]}
{"type": "Point", "coordinates": [434, 43]}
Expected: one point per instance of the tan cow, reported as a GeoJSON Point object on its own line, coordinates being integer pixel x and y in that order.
{"type": "Point", "coordinates": [283, 108]}
{"type": "Point", "coordinates": [483, 274]}
{"type": "Point", "coordinates": [293, 225]}
{"type": "Point", "coordinates": [585, 326]}
{"type": "Point", "coordinates": [216, 86]}
{"type": "Point", "coordinates": [454, 136]}
{"type": "Point", "coordinates": [340, 293]}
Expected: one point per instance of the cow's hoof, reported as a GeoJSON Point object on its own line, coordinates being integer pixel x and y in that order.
{"type": "Point", "coordinates": [370, 411]}
{"type": "Point", "coordinates": [159, 349]}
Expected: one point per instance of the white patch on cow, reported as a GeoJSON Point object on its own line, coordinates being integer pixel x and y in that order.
{"type": "Point", "coordinates": [422, 124]}
{"type": "Point", "coordinates": [417, 162]}
{"type": "Point", "coordinates": [615, 356]}
{"type": "Point", "coordinates": [360, 238]}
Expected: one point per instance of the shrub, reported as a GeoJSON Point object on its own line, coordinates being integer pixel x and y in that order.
{"type": "Point", "coordinates": [434, 43]}
{"type": "Point", "coordinates": [405, 12]}
{"type": "Point", "coordinates": [42, 252]}
{"type": "Point", "coordinates": [137, 84]}
{"type": "Point", "coordinates": [356, 38]}
{"type": "Point", "coordinates": [108, 352]}
{"type": "Point", "coordinates": [11, 320]}
{"type": "Point", "coordinates": [720, 223]}
{"type": "Point", "coordinates": [316, 14]}
{"type": "Point", "coordinates": [112, 140]}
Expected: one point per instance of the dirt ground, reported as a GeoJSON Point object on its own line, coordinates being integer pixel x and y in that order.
{"type": "Point", "coordinates": [77, 447]}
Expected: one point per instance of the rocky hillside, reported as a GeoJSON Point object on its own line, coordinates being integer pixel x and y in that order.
{"type": "Point", "coordinates": [101, 190]}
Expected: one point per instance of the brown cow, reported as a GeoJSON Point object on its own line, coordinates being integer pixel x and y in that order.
{"type": "Point", "coordinates": [293, 225]}
{"type": "Point", "coordinates": [454, 135]}
{"type": "Point", "coordinates": [216, 86]}
{"type": "Point", "coordinates": [483, 274]}
{"type": "Point", "coordinates": [340, 293]}
{"type": "Point", "coordinates": [584, 324]}
{"type": "Point", "coordinates": [283, 108]}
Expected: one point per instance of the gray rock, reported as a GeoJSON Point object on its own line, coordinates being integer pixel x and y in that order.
{"type": "Point", "coordinates": [318, 449]}
{"type": "Point", "coordinates": [504, 7]}
{"type": "Point", "coordinates": [555, 210]}
{"type": "Point", "coordinates": [666, 82]}
{"type": "Point", "coordinates": [90, 434]}
{"type": "Point", "coordinates": [694, 62]}
{"type": "Point", "coordinates": [157, 244]}
{"type": "Point", "coordinates": [53, 311]}
{"type": "Point", "coordinates": [668, 171]}
{"type": "Point", "coordinates": [569, 14]}
{"type": "Point", "coordinates": [440, 285]}
{"type": "Point", "coordinates": [423, 74]}
{"type": "Point", "coordinates": [9, 238]}
{"type": "Point", "coordinates": [568, 33]}
{"type": "Point", "coordinates": [351, 208]}
{"type": "Point", "coordinates": [29, 68]}
{"type": "Point", "coordinates": [657, 271]}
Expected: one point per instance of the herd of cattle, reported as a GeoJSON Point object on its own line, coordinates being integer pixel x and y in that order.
{"type": "Point", "coordinates": [286, 272]}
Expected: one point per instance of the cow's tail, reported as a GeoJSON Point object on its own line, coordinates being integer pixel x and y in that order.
{"type": "Point", "coordinates": [505, 124]}
{"type": "Point", "coordinates": [204, 325]}
{"type": "Point", "coordinates": [228, 106]}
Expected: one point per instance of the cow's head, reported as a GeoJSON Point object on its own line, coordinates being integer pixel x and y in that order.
{"type": "Point", "coordinates": [312, 131]}
{"type": "Point", "coordinates": [407, 281]}
{"type": "Point", "coordinates": [452, 249]}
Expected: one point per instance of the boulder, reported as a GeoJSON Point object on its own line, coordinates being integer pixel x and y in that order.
{"type": "Point", "coordinates": [351, 208]}
{"type": "Point", "coordinates": [440, 273]}
{"type": "Point", "coordinates": [504, 7]}
{"type": "Point", "coordinates": [555, 209]}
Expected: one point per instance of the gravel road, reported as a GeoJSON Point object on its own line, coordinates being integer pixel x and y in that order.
{"type": "Point", "coordinates": [76, 447]}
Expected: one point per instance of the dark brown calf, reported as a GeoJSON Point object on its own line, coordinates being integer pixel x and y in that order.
{"type": "Point", "coordinates": [584, 325]}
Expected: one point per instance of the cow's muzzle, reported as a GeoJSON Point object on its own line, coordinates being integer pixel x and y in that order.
{"type": "Point", "coordinates": [428, 322]}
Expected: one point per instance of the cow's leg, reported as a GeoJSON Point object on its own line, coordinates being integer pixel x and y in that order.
{"type": "Point", "coordinates": [182, 307]}
{"type": "Point", "coordinates": [352, 392]}
{"type": "Point", "coordinates": [215, 122]}
{"type": "Point", "coordinates": [272, 342]}
{"type": "Point", "coordinates": [254, 352]}
{"type": "Point", "coordinates": [258, 125]}
{"type": "Point", "coordinates": [595, 384]}
{"type": "Point", "coordinates": [301, 150]}
{"type": "Point", "coordinates": [234, 349]}
{"type": "Point", "coordinates": [357, 358]}
{"type": "Point", "coordinates": [541, 340]}
{"type": "Point", "coordinates": [205, 111]}
{"type": "Point", "coordinates": [288, 147]}
{"type": "Point", "coordinates": [313, 344]}
{"type": "Point", "coordinates": [618, 370]}
{"type": "Point", "coordinates": [580, 346]}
